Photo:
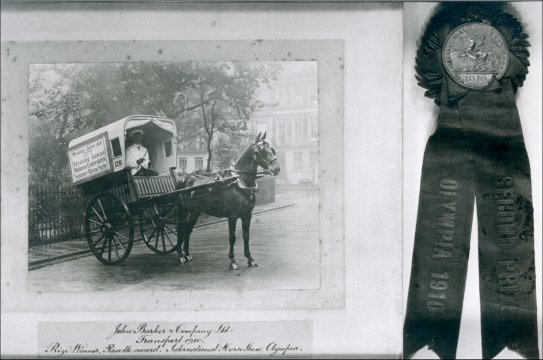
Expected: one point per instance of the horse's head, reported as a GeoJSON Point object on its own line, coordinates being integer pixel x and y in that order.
{"type": "Point", "coordinates": [264, 155]}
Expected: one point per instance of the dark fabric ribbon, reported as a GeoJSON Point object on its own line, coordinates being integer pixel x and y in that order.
{"type": "Point", "coordinates": [476, 153]}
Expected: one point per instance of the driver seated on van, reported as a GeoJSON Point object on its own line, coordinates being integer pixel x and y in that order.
{"type": "Point", "coordinates": [137, 156]}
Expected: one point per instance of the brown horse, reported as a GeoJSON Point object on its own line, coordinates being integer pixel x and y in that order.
{"type": "Point", "coordinates": [234, 201]}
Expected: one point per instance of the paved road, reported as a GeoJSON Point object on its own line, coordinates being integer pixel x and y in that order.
{"type": "Point", "coordinates": [48, 254]}
{"type": "Point", "coordinates": [284, 243]}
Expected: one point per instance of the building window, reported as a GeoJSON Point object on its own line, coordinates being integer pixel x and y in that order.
{"type": "Point", "coordinates": [290, 130]}
{"type": "Point", "coordinates": [282, 132]}
{"type": "Point", "coordinates": [306, 130]}
{"type": "Point", "coordinates": [297, 94]}
{"type": "Point", "coordinates": [314, 159]}
{"type": "Point", "coordinates": [168, 149]}
{"type": "Point", "coordinates": [298, 130]}
{"type": "Point", "coordinates": [298, 164]}
{"type": "Point", "coordinates": [306, 92]}
{"type": "Point", "coordinates": [201, 143]}
{"type": "Point", "coordinates": [282, 96]}
{"type": "Point", "coordinates": [183, 164]}
{"type": "Point", "coordinates": [199, 163]}
{"type": "Point", "coordinates": [314, 128]}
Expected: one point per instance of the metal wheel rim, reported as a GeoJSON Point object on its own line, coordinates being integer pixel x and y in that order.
{"type": "Point", "coordinates": [158, 227]}
{"type": "Point", "coordinates": [109, 229]}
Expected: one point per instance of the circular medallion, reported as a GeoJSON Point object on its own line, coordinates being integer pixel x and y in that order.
{"type": "Point", "coordinates": [474, 54]}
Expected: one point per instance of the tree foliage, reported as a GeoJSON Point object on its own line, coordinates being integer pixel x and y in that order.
{"type": "Point", "coordinates": [226, 93]}
{"type": "Point", "coordinates": [205, 99]}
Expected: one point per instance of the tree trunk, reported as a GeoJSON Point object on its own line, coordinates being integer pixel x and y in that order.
{"type": "Point", "coordinates": [209, 153]}
{"type": "Point", "coordinates": [212, 119]}
{"type": "Point", "coordinates": [209, 134]}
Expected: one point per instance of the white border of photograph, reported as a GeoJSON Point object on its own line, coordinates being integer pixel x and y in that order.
{"type": "Point", "coordinates": [328, 54]}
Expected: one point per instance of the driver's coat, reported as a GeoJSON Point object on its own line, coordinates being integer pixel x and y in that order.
{"type": "Point", "coordinates": [133, 154]}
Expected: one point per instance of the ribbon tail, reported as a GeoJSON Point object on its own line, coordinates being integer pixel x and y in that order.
{"type": "Point", "coordinates": [525, 347]}
{"type": "Point", "coordinates": [506, 248]}
{"type": "Point", "coordinates": [441, 249]}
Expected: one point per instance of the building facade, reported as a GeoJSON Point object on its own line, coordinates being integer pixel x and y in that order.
{"type": "Point", "coordinates": [291, 123]}
{"type": "Point", "coordinates": [191, 156]}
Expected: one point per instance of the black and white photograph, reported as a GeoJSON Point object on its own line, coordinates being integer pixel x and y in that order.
{"type": "Point", "coordinates": [128, 162]}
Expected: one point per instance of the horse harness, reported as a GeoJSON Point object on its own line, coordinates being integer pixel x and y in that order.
{"type": "Point", "coordinates": [250, 191]}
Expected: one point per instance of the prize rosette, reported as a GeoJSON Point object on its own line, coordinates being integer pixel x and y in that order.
{"type": "Point", "coordinates": [472, 59]}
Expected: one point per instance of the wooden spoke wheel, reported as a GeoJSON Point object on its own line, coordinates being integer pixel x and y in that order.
{"type": "Point", "coordinates": [109, 229]}
{"type": "Point", "coordinates": [159, 227]}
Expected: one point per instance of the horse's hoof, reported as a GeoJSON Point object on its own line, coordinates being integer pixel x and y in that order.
{"type": "Point", "coordinates": [189, 258]}
{"type": "Point", "coordinates": [234, 266]}
{"type": "Point", "coordinates": [252, 263]}
{"type": "Point", "coordinates": [182, 260]}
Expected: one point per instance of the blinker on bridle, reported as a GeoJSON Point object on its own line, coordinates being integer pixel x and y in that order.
{"type": "Point", "coordinates": [257, 148]}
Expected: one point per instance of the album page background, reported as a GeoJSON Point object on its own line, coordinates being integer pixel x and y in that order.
{"type": "Point", "coordinates": [369, 320]}
{"type": "Point", "coordinates": [382, 155]}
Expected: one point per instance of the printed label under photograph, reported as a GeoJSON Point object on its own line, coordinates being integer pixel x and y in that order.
{"type": "Point", "coordinates": [132, 339]}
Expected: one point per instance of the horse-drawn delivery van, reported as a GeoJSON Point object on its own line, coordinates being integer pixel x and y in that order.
{"type": "Point", "coordinates": [118, 198]}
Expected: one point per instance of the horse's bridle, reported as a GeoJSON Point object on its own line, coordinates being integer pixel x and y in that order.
{"type": "Point", "coordinates": [266, 163]}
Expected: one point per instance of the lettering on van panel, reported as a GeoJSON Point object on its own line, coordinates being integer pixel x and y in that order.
{"type": "Point", "coordinates": [89, 159]}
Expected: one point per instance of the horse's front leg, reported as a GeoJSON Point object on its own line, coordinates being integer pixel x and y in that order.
{"type": "Point", "coordinates": [180, 243]}
{"type": "Point", "coordinates": [232, 240]}
{"type": "Point", "coordinates": [181, 236]}
{"type": "Point", "coordinates": [192, 220]}
{"type": "Point", "coordinates": [246, 226]}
